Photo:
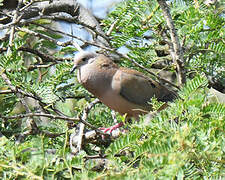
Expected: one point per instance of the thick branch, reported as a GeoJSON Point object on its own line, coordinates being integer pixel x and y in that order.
{"type": "Point", "coordinates": [178, 52]}
{"type": "Point", "coordinates": [79, 137]}
{"type": "Point", "coordinates": [70, 7]}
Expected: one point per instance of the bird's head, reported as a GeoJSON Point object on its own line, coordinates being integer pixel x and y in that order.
{"type": "Point", "coordinates": [83, 58]}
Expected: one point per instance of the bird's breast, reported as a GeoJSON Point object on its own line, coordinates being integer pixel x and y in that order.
{"type": "Point", "coordinates": [96, 82]}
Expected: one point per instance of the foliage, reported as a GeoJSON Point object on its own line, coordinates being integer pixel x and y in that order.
{"type": "Point", "coordinates": [184, 141]}
{"type": "Point", "coordinates": [141, 28]}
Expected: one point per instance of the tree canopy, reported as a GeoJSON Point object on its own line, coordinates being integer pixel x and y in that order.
{"type": "Point", "coordinates": [49, 122]}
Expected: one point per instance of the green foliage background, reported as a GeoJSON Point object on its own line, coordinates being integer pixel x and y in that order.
{"type": "Point", "coordinates": [185, 141]}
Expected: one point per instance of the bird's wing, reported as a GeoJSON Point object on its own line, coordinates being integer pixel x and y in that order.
{"type": "Point", "coordinates": [139, 89]}
{"type": "Point", "coordinates": [135, 87]}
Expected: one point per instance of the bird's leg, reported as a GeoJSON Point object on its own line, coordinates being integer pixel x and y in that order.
{"type": "Point", "coordinates": [112, 128]}
{"type": "Point", "coordinates": [117, 125]}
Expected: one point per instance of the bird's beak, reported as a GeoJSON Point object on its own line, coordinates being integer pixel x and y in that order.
{"type": "Point", "coordinates": [73, 68]}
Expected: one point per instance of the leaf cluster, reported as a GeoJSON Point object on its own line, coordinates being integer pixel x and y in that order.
{"type": "Point", "coordinates": [184, 141]}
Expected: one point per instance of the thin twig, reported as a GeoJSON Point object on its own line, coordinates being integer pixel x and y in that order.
{"type": "Point", "coordinates": [65, 118]}
{"type": "Point", "coordinates": [12, 30]}
{"type": "Point", "coordinates": [79, 137]}
{"type": "Point", "coordinates": [64, 44]}
{"type": "Point", "coordinates": [27, 6]}
{"type": "Point", "coordinates": [13, 23]}
{"type": "Point", "coordinates": [95, 31]}
{"type": "Point", "coordinates": [112, 27]}
{"type": "Point", "coordinates": [45, 57]}
{"type": "Point", "coordinates": [6, 91]}
{"type": "Point", "coordinates": [30, 122]}
{"type": "Point", "coordinates": [37, 66]}
{"type": "Point", "coordinates": [151, 14]}
{"type": "Point", "coordinates": [76, 45]}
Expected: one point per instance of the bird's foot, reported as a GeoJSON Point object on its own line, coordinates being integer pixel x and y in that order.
{"type": "Point", "coordinates": [109, 130]}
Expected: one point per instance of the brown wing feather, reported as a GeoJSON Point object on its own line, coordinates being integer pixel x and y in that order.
{"type": "Point", "coordinates": [136, 88]}
{"type": "Point", "coordinates": [139, 89]}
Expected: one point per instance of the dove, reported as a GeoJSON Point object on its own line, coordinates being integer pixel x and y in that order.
{"type": "Point", "coordinates": [122, 89]}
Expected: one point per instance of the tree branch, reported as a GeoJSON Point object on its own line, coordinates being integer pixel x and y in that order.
{"type": "Point", "coordinates": [78, 139]}
{"type": "Point", "coordinates": [44, 57]}
{"type": "Point", "coordinates": [178, 52]}
{"type": "Point", "coordinates": [65, 118]}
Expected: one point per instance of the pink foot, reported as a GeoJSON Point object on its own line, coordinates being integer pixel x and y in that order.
{"type": "Point", "coordinates": [112, 128]}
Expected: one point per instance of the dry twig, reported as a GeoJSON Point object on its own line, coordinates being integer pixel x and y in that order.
{"type": "Point", "coordinates": [177, 53]}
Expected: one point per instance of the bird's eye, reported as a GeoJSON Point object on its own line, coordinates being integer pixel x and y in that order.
{"type": "Point", "coordinates": [84, 59]}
